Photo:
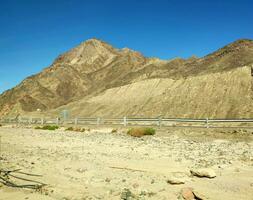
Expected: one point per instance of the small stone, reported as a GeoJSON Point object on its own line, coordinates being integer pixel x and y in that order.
{"type": "Point", "coordinates": [204, 172]}
{"type": "Point", "coordinates": [135, 185]}
{"type": "Point", "coordinates": [81, 170]}
{"type": "Point", "coordinates": [110, 192]}
{"type": "Point", "coordinates": [175, 181]}
{"type": "Point", "coordinates": [237, 170]}
{"type": "Point", "coordinates": [152, 181]}
{"type": "Point", "coordinates": [116, 193]}
{"type": "Point", "coordinates": [187, 194]}
{"type": "Point", "coordinates": [162, 190]}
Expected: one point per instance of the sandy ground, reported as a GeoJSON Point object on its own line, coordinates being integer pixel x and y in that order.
{"type": "Point", "coordinates": [98, 164]}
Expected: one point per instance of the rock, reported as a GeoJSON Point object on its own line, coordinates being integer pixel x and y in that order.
{"type": "Point", "coordinates": [135, 185]}
{"type": "Point", "coordinates": [187, 194]}
{"type": "Point", "coordinates": [110, 192]}
{"type": "Point", "coordinates": [175, 181]}
{"type": "Point", "coordinates": [204, 172]}
{"type": "Point", "coordinates": [237, 170]}
{"type": "Point", "coordinates": [81, 170]}
{"type": "Point", "coordinates": [116, 193]}
{"type": "Point", "coordinates": [199, 196]}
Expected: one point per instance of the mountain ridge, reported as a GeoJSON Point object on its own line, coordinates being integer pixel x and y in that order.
{"type": "Point", "coordinates": [95, 66]}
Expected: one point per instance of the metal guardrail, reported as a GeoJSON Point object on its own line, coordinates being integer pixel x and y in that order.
{"type": "Point", "coordinates": [123, 121]}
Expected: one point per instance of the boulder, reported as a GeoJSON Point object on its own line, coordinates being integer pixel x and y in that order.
{"type": "Point", "coordinates": [175, 181]}
{"type": "Point", "coordinates": [199, 195]}
{"type": "Point", "coordinates": [187, 194]}
{"type": "Point", "coordinates": [204, 172]}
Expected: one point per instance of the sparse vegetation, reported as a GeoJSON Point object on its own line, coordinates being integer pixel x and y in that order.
{"type": "Point", "coordinates": [75, 129]}
{"type": "Point", "coordinates": [79, 129]}
{"type": "Point", "coordinates": [139, 132]}
{"type": "Point", "coordinates": [47, 127]}
{"type": "Point", "coordinates": [69, 129]}
{"type": "Point", "coordinates": [114, 130]}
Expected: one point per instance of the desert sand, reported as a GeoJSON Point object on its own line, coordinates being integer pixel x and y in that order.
{"type": "Point", "coordinates": [99, 164]}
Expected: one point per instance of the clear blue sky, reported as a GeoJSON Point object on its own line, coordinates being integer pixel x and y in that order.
{"type": "Point", "coordinates": [34, 32]}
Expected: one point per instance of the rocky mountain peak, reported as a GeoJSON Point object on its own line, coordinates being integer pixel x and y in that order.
{"type": "Point", "coordinates": [87, 52]}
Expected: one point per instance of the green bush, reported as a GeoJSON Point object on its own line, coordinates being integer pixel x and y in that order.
{"type": "Point", "coordinates": [51, 128]}
{"type": "Point", "coordinates": [139, 132]}
{"type": "Point", "coordinates": [47, 127]}
{"type": "Point", "coordinates": [149, 131]}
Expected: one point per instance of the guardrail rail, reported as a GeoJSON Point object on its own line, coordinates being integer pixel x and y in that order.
{"type": "Point", "coordinates": [128, 121]}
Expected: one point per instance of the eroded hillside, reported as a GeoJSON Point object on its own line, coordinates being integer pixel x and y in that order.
{"type": "Point", "coordinates": [222, 95]}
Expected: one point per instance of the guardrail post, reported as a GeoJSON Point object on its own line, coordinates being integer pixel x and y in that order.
{"type": "Point", "coordinates": [57, 121]}
{"type": "Point", "coordinates": [125, 121]}
{"type": "Point", "coordinates": [30, 120]}
{"type": "Point", "coordinates": [207, 123]}
{"type": "Point", "coordinates": [160, 122]}
{"type": "Point", "coordinates": [76, 121]}
{"type": "Point", "coordinates": [19, 120]}
{"type": "Point", "coordinates": [98, 121]}
{"type": "Point", "coordinates": [42, 120]}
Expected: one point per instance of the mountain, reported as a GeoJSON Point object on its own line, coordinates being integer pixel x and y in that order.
{"type": "Point", "coordinates": [96, 79]}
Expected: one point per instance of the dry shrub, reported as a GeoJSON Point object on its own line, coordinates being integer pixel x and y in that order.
{"type": "Point", "coordinates": [75, 129]}
{"type": "Point", "coordinates": [79, 129]}
{"type": "Point", "coordinates": [69, 129]}
{"type": "Point", "coordinates": [139, 132]}
{"type": "Point", "coordinates": [114, 130]}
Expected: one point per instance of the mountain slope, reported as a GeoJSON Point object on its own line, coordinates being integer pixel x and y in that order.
{"type": "Point", "coordinates": [96, 79]}
{"type": "Point", "coordinates": [216, 95]}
